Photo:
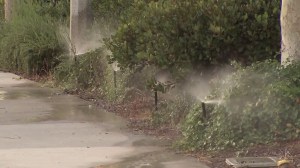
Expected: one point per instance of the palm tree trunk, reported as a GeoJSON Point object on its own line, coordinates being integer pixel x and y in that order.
{"type": "Point", "coordinates": [80, 22]}
{"type": "Point", "coordinates": [290, 31]}
{"type": "Point", "coordinates": [8, 7]}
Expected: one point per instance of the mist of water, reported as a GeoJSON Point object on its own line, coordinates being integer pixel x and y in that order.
{"type": "Point", "coordinates": [212, 101]}
{"type": "Point", "coordinates": [164, 76]}
{"type": "Point", "coordinates": [200, 86]}
{"type": "Point", "coordinates": [92, 39]}
{"type": "Point", "coordinates": [2, 95]}
{"type": "Point", "coordinates": [88, 45]}
{"type": "Point", "coordinates": [84, 35]}
{"type": "Point", "coordinates": [115, 66]}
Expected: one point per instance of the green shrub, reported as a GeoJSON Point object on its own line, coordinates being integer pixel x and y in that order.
{"type": "Point", "coordinates": [110, 11]}
{"type": "Point", "coordinates": [108, 14]}
{"type": "Point", "coordinates": [144, 77]}
{"type": "Point", "coordinates": [59, 10]}
{"type": "Point", "coordinates": [259, 106]}
{"type": "Point", "coordinates": [184, 33]}
{"type": "Point", "coordinates": [91, 72]}
{"type": "Point", "coordinates": [64, 75]}
{"type": "Point", "coordinates": [173, 110]}
{"type": "Point", "coordinates": [84, 73]}
{"type": "Point", "coordinates": [110, 92]}
{"type": "Point", "coordinates": [30, 43]}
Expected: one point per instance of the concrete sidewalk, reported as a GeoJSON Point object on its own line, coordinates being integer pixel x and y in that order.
{"type": "Point", "coordinates": [40, 127]}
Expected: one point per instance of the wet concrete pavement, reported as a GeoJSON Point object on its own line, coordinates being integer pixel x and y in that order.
{"type": "Point", "coordinates": [40, 127]}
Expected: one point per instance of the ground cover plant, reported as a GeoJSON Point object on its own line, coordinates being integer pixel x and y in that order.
{"type": "Point", "coordinates": [258, 104]}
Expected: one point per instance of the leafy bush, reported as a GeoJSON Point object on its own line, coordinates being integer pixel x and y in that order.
{"type": "Point", "coordinates": [172, 111]}
{"type": "Point", "coordinates": [30, 43]}
{"type": "Point", "coordinates": [57, 9]}
{"type": "Point", "coordinates": [91, 72]}
{"type": "Point", "coordinates": [184, 33]}
{"type": "Point", "coordinates": [109, 90]}
{"type": "Point", "coordinates": [84, 73]}
{"type": "Point", "coordinates": [260, 104]}
{"type": "Point", "coordinates": [108, 14]}
{"type": "Point", "coordinates": [110, 11]}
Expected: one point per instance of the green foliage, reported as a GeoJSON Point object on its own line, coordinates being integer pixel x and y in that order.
{"type": "Point", "coordinates": [109, 91]}
{"type": "Point", "coordinates": [56, 9]}
{"type": "Point", "coordinates": [172, 111]}
{"type": "Point", "coordinates": [260, 104]}
{"type": "Point", "coordinates": [108, 14]}
{"type": "Point", "coordinates": [193, 129]}
{"type": "Point", "coordinates": [84, 73]}
{"type": "Point", "coordinates": [91, 72]}
{"type": "Point", "coordinates": [184, 33]}
{"type": "Point", "coordinates": [30, 43]}
{"type": "Point", "coordinates": [144, 77]}
{"type": "Point", "coordinates": [110, 11]}
{"type": "Point", "coordinates": [81, 73]}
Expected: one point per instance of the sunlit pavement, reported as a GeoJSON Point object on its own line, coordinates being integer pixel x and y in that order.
{"type": "Point", "coordinates": [42, 128]}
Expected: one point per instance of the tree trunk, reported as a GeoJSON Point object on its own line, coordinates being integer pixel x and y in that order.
{"type": "Point", "coordinates": [8, 7]}
{"type": "Point", "coordinates": [290, 31]}
{"type": "Point", "coordinates": [80, 22]}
